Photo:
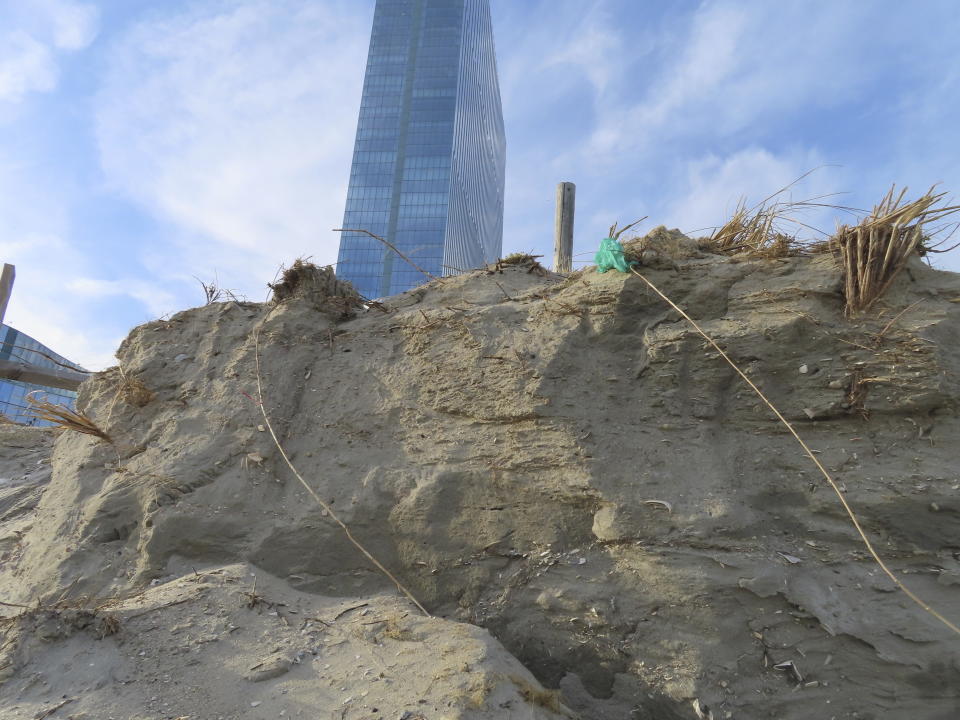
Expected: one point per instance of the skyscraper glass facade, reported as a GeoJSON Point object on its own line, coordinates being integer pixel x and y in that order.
{"type": "Point", "coordinates": [428, 163]}
{"type": "Point", "coordinates": [17, 346]}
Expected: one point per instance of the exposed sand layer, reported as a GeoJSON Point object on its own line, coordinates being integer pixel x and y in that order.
{"type": "Point", "coordinates": [561, 461]}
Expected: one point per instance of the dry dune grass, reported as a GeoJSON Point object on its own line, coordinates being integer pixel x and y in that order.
{"type": "Point", "coordinates": [871, 252]}
{"type": "Point", "coordinates": [756, 231]}
{"type": "Point", "coordinates": [63, 417]}
{"type": "Point", "coordinates": [304, 279]}
{"type": "Point", "coordinates": [770, 228]}
{"type": "Point", "coordinates": [133, 391]}
{"type": "Point", "coordinates": [874, 251]}
{"type": "Point", "coordinates": [521, 259]}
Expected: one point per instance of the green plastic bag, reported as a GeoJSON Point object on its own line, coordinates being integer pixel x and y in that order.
{"type": "Point", "coordinates": [610, 255]}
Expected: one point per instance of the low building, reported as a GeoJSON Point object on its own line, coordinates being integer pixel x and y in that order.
{"type": "Point", "coordinates": [30, 368]}
{"type": "Point", "coordinates": [22, 349]}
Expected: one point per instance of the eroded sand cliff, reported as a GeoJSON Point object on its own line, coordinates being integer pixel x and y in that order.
{"type": "Point", "coordinates": [560, 469]}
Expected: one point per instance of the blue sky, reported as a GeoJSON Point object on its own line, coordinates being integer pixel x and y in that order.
{"type": "Point", "coordinates": [145, 143]}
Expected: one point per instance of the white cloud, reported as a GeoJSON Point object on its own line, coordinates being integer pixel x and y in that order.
{"type": "Point", "coordinates": [590, 45]}
{"type": "Point", "coordinates": [152, 296]}
{"type": "Point", "coordinates": [35, 237]}
{"type": "Point", "coordinates": [712, 186]}
{"type": "Point", "coordinates": [42, 305]}
{"type": "Point", "coordinates": [37, 34]}
{"type": "Point", "coordinates": [235, 123]}
{"type": "Point", "coordinates": [26, 66]}
{"type": "Point", "coordinates": [734, 65]}
{"type": "Point", "coordinates": [74, 24]}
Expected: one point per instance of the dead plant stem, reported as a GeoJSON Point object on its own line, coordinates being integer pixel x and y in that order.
{"type": "Point", "coordinates": [810, 454]}
{"type": "Point", "coordinates": [314, 495]}
{"type": "Point", "coordinates": [897, 317]}
{"type": "Point", "coordinates": [390, 245]}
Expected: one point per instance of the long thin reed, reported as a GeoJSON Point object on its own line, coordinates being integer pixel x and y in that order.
{"type": "Point", "coordinates": [846, 506]}
{"type": "Point", "coordinates": [315, 496]}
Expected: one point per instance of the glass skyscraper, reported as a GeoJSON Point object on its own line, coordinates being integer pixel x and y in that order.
{"type": "Point", "coordinates": [428, 163]}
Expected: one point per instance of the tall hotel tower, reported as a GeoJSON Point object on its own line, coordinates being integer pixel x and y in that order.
{"type": "Point", "coordinates": [428, 164]}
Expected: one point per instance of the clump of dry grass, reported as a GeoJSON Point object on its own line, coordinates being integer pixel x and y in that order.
{"type": "Point", "coordinates": [319, 285]}
{"type": "Point", "coordinates": [660, 243]}
{"type": "Point", "coordinates": [768, 228]}
{"type": "Point", "coordinates": [755, 231]}
{"type": "Point", "coordinates": [521, 259]}
{"type": "Point", "coordinates": [873, 252]}
{"type": "Point", "coordinates": [133, 391]}
{"type": "Point", "coordinates": [304, 279]}
{"type": "Point", "coordinates": [63, 417]}
{"type": "Point", "coordinates": [541, 697]}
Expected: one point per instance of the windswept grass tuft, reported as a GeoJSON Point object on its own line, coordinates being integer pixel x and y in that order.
{"type": "Point", "coordinates": [769, 228]}
{"type": "Point", "coordinates": [521, 259]}
{"type": "Point", "coordinates": [63, 417]}
{"type": "Point", "coordinates": [755, 231]}
{"type": "Point", "coordinates": [874, 251]}
{"type": "Point", "coordinates": [304, 279]}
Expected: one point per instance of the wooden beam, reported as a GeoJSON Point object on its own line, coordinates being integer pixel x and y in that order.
{"type": "Point", "coordinates": [62, 378]}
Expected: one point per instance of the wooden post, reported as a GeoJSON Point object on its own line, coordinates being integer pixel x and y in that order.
{"type": "Point", "coordinates": [6, 287]}
{"type": "Point", "coordinates": [563, 233]}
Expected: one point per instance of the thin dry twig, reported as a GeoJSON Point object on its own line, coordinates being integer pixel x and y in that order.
{"type": "Point", "coordinates": [896, 317]}
{"type": "Point", "coordinates": [211, 291]}
{"type": "Point", "coordinates": [846, 506]}
{"type": "Point", "coordinates": [615, 234]}
{"type": "Point", "coordinates": [390, 245]}
{"type": "Point", "coordinates": [51, 711]}
{"type": "Point", "coordinates": [314, 495]}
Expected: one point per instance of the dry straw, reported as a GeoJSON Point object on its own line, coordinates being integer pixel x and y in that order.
{"type": "Point", "coordinates": [874, 251]}
{"type": "Point", "coordinates": [767, 229]}
{"type": "Point", "coordinates": [63, 417]}
{"type": "Point", "coordinates": [132, 390]}
{"type": "Point", "coordinates": [755, 231]}
{"type": "Point", "coordinates": [846, 506]}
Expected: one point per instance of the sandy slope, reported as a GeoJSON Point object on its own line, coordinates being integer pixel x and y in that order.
{"type": "Point", "coordinates": [560, 461]}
